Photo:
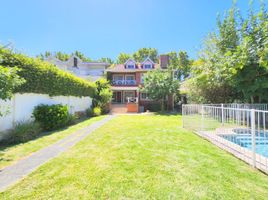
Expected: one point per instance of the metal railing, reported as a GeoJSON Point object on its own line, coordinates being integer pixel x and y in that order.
{"type": "Point", "coordinates": [132, 99]}
{"type": "Point", "coordinates": [237, 129]}
{"type": "Point", "coordinates": [124, 82]}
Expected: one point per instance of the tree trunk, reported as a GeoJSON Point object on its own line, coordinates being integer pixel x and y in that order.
{"type": "Point", "coordinates": [252, 99]}
{"type": "Point", "coordinates": [162, 105]}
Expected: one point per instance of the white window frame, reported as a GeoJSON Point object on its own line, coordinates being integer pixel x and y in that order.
{"type": "Point", "coordinates": [151, 66]}
{"type": "Point", "coordinates": [130, 75]}
{"type": "Point", "coordinates": [130, 65]}
{"type": "Point", "coordinates": [118, 76]}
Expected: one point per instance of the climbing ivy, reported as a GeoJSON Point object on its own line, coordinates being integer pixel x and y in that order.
{"type": "Point", "coordinates": [44, 78]}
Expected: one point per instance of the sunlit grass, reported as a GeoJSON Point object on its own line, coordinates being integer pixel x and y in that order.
{"type": "Point", "coordinates": [10, 154]}
{"type": "Point", "coordinates": [143, 157]}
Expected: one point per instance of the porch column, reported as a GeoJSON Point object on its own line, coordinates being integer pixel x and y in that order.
{"type": "Point", "coordinates": [138, 95]}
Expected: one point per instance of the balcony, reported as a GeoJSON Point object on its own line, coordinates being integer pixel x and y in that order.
{"type": "Point", "coordinates": [124, 82]}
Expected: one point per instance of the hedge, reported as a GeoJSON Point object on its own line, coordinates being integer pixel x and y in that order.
{"type": "Point", "coordinates": [45, 78]}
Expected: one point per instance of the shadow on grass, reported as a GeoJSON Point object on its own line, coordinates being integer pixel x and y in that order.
{"type": "Point", "coordinates": [168, 113]}
{"type": "Point", "coordinates": [4, 144]}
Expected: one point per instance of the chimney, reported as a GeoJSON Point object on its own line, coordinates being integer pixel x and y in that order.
{"type": "Point", "coordinates": [164, 61]}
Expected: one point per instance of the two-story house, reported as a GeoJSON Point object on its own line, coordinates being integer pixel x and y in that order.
{"type": "Point", "coordinates": [86, 70]}
{"type": "Point", "coordinates": [127, 79]}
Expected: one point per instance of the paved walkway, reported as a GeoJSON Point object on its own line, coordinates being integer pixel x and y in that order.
{"type": "Point", "coordinates": [13, 173]}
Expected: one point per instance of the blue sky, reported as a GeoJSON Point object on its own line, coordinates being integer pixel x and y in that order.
{"type": "Point", "coordinates": [104, 28]}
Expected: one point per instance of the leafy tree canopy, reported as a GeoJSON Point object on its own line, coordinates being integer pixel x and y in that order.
{"type": "Point", "coordinates": [122, 58]}
{"type": "Point", "coordinates": [232, 64]}
{"type": "Point", "coordinates": [139, 55]}
{"type": "Point", "coordinates": [158, 84]}
{"type": "Point", "coordinates": [181, 63]}
{"type": "Point", "coordinates": [65, 56]}
{"type": "Point", "coordinates": [143, 53]}
{"type": "Point", "coordinates": [9, 81]}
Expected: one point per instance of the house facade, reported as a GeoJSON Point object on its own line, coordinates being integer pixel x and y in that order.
{"type": "Point", "coordinates": [127, 79]}
{"type": "Point", "coordinates": [86, 70]}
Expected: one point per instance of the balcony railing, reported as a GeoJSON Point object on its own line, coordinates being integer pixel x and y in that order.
{"type": "Point", "coordinates": [132, 99]}
{"type": "Point", "coordinates": [124, 82]}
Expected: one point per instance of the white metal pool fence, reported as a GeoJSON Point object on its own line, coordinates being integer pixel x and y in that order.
{"type": "Point", "coordinates": [241, 129]}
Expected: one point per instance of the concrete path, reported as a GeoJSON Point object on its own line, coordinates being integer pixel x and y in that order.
{"type": "Point", "coordinates": [15, 172]}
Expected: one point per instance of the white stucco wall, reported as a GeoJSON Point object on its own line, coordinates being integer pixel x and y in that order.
{"type": "Point", "coordinates": [21, 106]}
{"type": "Point", "coordinates": [85, 70]}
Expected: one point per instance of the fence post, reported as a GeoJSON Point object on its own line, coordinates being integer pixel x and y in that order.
{"type": "Point", "coordinates": [202, 121]}
{"type": "Point", "coordinates": [222, 115]}
{"type": "Point", "coordinates": [253, 139]}
{"type": "Point", "coordinates": [182, 114]}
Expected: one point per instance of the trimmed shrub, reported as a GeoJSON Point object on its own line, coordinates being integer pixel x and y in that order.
{"type": "Point", "coordinates": [72, 119]}
{"type": "Point", "coordinates": [154, 107]}
{"type": "Point", "coordinates": [51, 117]}
{"type": "Point", "coordinates": [103, 95]}
{"type": "Point", "coordinates": [89, 112]}
{"type": "Point", "coordinates": [96, 111]}
{"type": "Point", "coordinates": [45, 78]}
{"type": "Point", "coordinates": [23, 132]}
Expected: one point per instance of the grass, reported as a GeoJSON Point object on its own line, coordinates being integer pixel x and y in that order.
{"type": "Point", "coordinates": [11, 153]}
{"type": "Point", "coordinates": [142, 157]}
{"type": "Point", "coordinates": [196, 123]}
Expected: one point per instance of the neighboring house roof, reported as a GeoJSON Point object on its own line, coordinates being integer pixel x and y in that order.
{"type": "Point", "coordinates": [80, 62]}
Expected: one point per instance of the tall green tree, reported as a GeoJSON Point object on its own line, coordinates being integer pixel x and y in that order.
{"type": "Point", "coordinates": [232, 61]}
{"type": "Point", "coordinates": [62, 56]}
{"type": "Point", "coordinates": [159, 84]}
{"type": "Point", "coordinates": [122, 58]}
{"type": "Point", "coordinates": [184, 64]}
{"type": "Point", "coordinates": [252, 73]}
{"type": "Point", "coordinates": [181, 63]}
{"type": "Point", "coordinates": [107, 60]}
{"type": "Point", "coordinates": [82, 56]}
{"type": "Point", "coordinates": [143, 53]}
{"type": "Point", "coordinates": [103, 95]}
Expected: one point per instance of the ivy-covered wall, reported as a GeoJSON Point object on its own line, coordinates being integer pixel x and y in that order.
{"type": "Point", "coordinates": [44, 78]}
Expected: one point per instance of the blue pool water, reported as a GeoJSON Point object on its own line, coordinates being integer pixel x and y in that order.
{"type": "Point", "coordinates": [244, 139]}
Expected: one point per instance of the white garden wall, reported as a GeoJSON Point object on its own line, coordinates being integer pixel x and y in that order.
{"type": "Point", "coordinates": [21, 106]}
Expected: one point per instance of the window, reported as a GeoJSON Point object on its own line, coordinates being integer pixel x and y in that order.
{"type": "Point", "coordinates": [144, 96]}
{"type": "Point", "coordinates": [131, 66]}
{"type": "Point", "coordinates": [142, 78]}
{"type": "Point", "coordinates": [118, 77]}
{"type": "Point", "coordinates": [130, 77]}
{"type": "Point", "coordinates": [129, 94]}
{"type": "Point", "coordinates": [75, 62]}
{"type": "Point", "coordinates": [147, 66]}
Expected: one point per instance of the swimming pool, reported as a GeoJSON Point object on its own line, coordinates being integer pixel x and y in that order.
{"type": "Point", "coordinates": [243, 138]}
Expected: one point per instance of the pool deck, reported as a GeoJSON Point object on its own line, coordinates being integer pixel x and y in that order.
{"type": "Point", "coordinates": [261, 162]}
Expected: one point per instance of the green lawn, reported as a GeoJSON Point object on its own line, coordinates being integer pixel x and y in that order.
{"type": "Point", "coordinates": [142, 157]}
{"type": "Point", "coordinates": [10, 154]}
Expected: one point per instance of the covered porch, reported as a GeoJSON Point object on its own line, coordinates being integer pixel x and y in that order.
{"type": "Point", "coordinates": [123, 95]}
{"type": "Point", "coordinates": [128, 97]}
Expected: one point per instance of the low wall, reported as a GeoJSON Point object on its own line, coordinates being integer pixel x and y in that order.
{"type": "Point", "coordinates": [21, 106]}
{"type": "Point", "coordinates": [132, 107]}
